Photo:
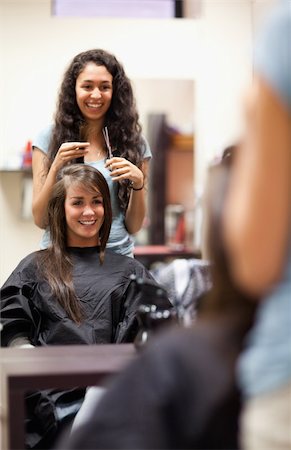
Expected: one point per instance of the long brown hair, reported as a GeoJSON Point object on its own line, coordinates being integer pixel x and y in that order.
{"type": "Point", "coordinates": [55, 263]}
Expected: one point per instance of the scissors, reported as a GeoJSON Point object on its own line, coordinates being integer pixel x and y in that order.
{"type": "Point", "coordinates": [107, 141]}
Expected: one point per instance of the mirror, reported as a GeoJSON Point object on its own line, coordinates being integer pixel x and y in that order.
{"type": "Point", "coordinates": [169, 128]}
{"type": "Point", "coordinates": [212, 50]}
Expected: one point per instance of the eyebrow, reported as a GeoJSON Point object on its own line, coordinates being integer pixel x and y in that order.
{"type": "Point", "coordinates": [92, 81]}
{"type": "Point", "coordinates": [81, 197]}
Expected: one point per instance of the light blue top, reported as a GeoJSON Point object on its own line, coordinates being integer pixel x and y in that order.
{"type": "Point", "coordinates": [266, 363]}
{"type": "Point", "coordinates": [119, 239]}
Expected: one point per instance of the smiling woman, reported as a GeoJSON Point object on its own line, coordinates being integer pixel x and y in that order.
{"type": "Point", "coordinates": [84, 216]}
{"type": "Point", "coordinates": [79, 210]}
{"type": "Point", "coordinates": [94, 91]}
{"type": "Point", "coordinates": [76, 291]}
{"type": "Point", "coordinates": [96, 95]}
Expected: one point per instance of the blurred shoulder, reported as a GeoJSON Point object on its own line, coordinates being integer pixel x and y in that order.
{"type": "Point", "coordinates": [272, 58]}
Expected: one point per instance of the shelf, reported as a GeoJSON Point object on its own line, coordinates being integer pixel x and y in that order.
{"type": "Point", "coordinates": [20, 170]}
{"type": "Point", "coordinates": [183, 142]}
{"type": "Point", "coordinates": [149, 254]}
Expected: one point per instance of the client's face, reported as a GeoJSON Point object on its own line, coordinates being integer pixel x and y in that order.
{"type": "Point", "coordinates": [84, 216]}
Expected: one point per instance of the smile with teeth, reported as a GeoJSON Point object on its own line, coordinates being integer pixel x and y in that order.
{"type": "Point", "coordinates": [94, 105]}
{"type": "Point", "coordinates": [87, 222]}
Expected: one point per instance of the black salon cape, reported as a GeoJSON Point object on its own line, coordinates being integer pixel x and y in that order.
{"type": "Point", "coordinates": [109, 303]}
{"type": "Point", "coordinates": [179, 394]}
{"type": "Point", "coordinates": [107, 295]}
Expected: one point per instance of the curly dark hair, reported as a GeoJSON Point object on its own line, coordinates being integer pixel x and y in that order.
{"type": "Point", "coordinates": [122, 118]}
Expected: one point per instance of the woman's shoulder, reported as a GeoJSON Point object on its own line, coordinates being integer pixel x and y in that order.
{"type": "Point", "coordinates": [28, 260]}
{"type": "Point", "coordinates": [128, 265]}
{"type": "Point", "coordinates": [197, 349]}
{"type": "Point", "coordinates": [272, 51]}
{"type": "Point", "coordinates": [25, 270]}
{"type": "Point", "coordinates": [42, 139]}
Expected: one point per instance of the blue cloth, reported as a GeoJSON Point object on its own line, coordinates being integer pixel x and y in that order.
{"type": "Point", "coordinates": [265, 365]}
{"type": "Point", "coordinates": [119, 239]}
{"type": "Point", "coordinates": [272, 55]}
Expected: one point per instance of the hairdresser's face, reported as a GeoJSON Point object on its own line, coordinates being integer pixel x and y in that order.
{"type": "Point", "coordinates": [84, 216]}
{"type": "Point", "coordinates": [94, 92]}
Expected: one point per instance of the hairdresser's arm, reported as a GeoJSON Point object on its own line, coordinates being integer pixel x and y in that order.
{"type": "Point", "coordinates": [122, 169]}
{"type": "Point", "coordinates": [44, 181]}
{"type": "Point", "coordinates": [136, 209]}
{"type": "Point", "coordinates": [258, 206]}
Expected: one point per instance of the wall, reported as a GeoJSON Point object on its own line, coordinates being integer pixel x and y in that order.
{"type": "Point", "coordinates": [214, 51]}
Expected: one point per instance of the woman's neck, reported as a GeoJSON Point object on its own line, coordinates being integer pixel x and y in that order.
{"type": "Point", "coordinates": [83, 242]}
{"type": "Point", "coordinates": [97, 149]}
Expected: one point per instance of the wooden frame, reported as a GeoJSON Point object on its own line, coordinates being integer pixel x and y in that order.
{"type": "Point", "coordinates": [51, 367]}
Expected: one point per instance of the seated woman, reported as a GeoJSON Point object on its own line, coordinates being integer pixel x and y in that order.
{"type": "Point", "coordinates": [73, 292]}
{"type": "Point", "coordinates": [181, 392]}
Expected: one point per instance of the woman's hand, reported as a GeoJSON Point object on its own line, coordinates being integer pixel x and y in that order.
{"type": "Point", "coordinates": [122, 169]}
{"type": "Point", "coordinates": [69, 151]}
{"type": "Point", "coordinates": [42, 186]}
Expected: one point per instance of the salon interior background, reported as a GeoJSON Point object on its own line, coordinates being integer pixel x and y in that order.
{"type": "Point", "coordinates": [213, 49]}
